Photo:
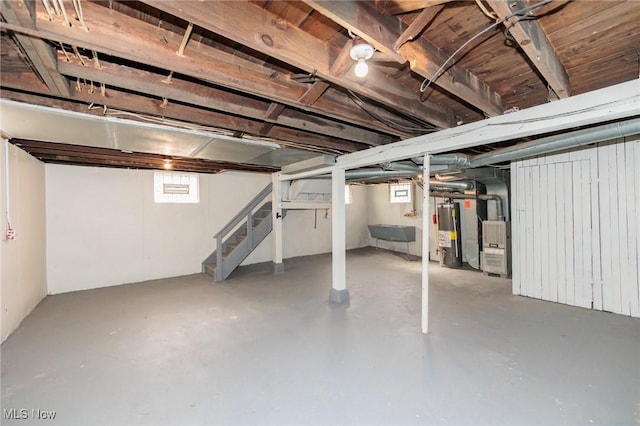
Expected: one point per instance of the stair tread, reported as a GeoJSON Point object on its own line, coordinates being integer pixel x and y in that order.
{"type": "Point", "coordinates": [239, 236]}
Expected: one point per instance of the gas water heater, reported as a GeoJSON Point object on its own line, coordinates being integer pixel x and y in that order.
{"type": "Point", "coordinates": [449, 236]}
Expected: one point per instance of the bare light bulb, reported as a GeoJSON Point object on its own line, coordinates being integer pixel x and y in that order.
{"type": "Point", "coordinates": [361, 69]}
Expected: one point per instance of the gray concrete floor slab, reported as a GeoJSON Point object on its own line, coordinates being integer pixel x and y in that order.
{"type": "Point", "coordinates": [269, 349]}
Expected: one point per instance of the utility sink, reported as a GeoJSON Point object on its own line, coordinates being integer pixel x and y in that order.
{"type": "Point", "coordinates": [400, 233]}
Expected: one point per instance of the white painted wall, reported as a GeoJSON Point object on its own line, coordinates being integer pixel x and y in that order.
{"type": "Point", "coordinates": [103, 227]}
{"type": "Point", "coordinates": [576, 228]}
{"type": "Point", "coordinates": [381, 211]}
{"type": "Point", "coordinates": [23, 281]}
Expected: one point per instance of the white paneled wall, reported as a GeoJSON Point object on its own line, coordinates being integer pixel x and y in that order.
{"type": "Point", "coordinates": [23, 266]}
{"type": "Point", "coordinates": [575, 227]}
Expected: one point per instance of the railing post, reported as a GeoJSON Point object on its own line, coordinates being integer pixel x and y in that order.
{"type": "Point", "coordinates": [218, 272]}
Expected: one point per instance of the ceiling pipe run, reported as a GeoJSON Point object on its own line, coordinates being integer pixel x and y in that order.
{"type": "Point", "coordinates": [459, 160]}
{"type": "Point", "coordinates": [402, 166]}
{"type": "Point", "coordinates": [558, 142]}
{"type": "Point", "coordinates": [497, 199]}
{"type": "Point", "coordinates": [460, 185]}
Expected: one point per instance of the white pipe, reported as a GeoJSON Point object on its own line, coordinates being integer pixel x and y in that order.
{"type": "Point", "coordinates": [426, 227]}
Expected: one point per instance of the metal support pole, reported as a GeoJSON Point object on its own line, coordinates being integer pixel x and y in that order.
{"type": "Point", "coordinates": [426, 226]}
{"type": "Point", "coordinates": [339, 292]}
{"type": "Point", "coordinates": [276, 217]}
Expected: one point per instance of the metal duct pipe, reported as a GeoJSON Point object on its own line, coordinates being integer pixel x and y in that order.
{"type": "Point", "coordinates": [459, 196]}
{"type": "Point", "coordinates": [459, 160]}
{"type": "Point", "coordinates": [402, 166]}
{"type": "Point", "coordinates": [374, 173]}
{"type": "Point", "coordinates": [558, 142]}
{"type": "Point", "coordinates": [497, 199]}
{"type": "Point", "coordinates": [461, 185]}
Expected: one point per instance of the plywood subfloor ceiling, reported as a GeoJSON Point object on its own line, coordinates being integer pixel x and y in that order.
{"type": "Point", "coordinates": [281, 70]}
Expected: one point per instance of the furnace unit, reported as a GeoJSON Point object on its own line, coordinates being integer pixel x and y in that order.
{"type": "Point", "coordinates": [496, 248]}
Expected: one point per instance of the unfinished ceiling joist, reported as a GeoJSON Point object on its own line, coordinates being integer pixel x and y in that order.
{"type": "Point", "coordinates": [534, 43]}
{"type": "Point", "coordinates": [406, 6]}
{"type": "Point", "coordinates": [209, 97]}
{"type": "Point", "coordinates": [125, 103]}
{"type": "Point", "coordinates": [145, 43]}
{"type": "Point", "coordinates": [39, 53]}
{"type": "Point", "coordinates": [383, 31]}
{"type": "Point", "coordinates": [255, 28]}
{"type": "Point", "coordinates": [95, 156]}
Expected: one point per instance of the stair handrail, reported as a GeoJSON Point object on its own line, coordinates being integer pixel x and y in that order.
{"type": "Point", "coordinates": [243, 213]}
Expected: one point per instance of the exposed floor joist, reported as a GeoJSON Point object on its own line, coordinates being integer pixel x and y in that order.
{"type": "Point", "coordinates": [145, 43]}
{"type": "Point", "coordinates": [209, 97]}
{"type": "Point", "coordinates": [130, 105]}
{"type": "Point", "coordinates": [40, 54]}
{"type": "Point", "coordinates": [383, 31]}
{"type": "Point", "coordinates": [533, 41]}
{"type": "Point", "coordinates": [86, 155]}
{"type": "Point", "coordinates": [406, 6]}
{"type": "Point", "coordinates": [255, 28]}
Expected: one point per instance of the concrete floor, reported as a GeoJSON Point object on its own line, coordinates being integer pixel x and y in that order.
{"type": "Point", "coordinates": [265, 349]}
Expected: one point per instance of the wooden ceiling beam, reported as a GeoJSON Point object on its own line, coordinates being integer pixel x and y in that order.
{"type": "Point", "coordinates": [130, 104]}
{"type": "Point", "coordinates": [256, 28]}
{"type": "Point", "coordinates": [417, 26]}
{"type": "Point", "coordinates": [535, 44]}
{"type": "Point", "coordinates": [122, 36]}
{"type": "Point", "coordinates": [98, 155]}
{"type": "Point", "coordinates": [133, 162]}
{"type": "Point", "coordinates": [37, 51]}
{"type": "Point", "coordinates": [209, 97]}
{"type": "Point", "coordinates": [399, 7]}
{"type": "Point", "coordinates": [383, 31]}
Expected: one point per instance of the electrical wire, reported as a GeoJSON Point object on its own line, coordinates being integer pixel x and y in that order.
{"type": "Point", "coordinates": [427, 82]}
{"type": "Point", "coordinates": [396, 126]}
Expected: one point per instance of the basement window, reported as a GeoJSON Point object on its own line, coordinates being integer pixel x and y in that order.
{"type": "Point", "coordinates": [400, 193]}
{"type": "Point", "coordinates": [172, 187]}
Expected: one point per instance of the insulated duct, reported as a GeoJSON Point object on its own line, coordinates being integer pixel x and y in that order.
{"type": "Point", "coordinates": [497, 199]}
{"type": "Point", "coordinates": [558, 142]}
{"type": "Point", "coordinates": [460, 185]}
{"type": "Point", "coordinates": [458, 160]}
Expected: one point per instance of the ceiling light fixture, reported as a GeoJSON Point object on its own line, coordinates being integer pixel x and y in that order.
{"type": "Point", "coordinates": [167, 164]}
{"type": "Point", "coordinates": [361, 51]}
